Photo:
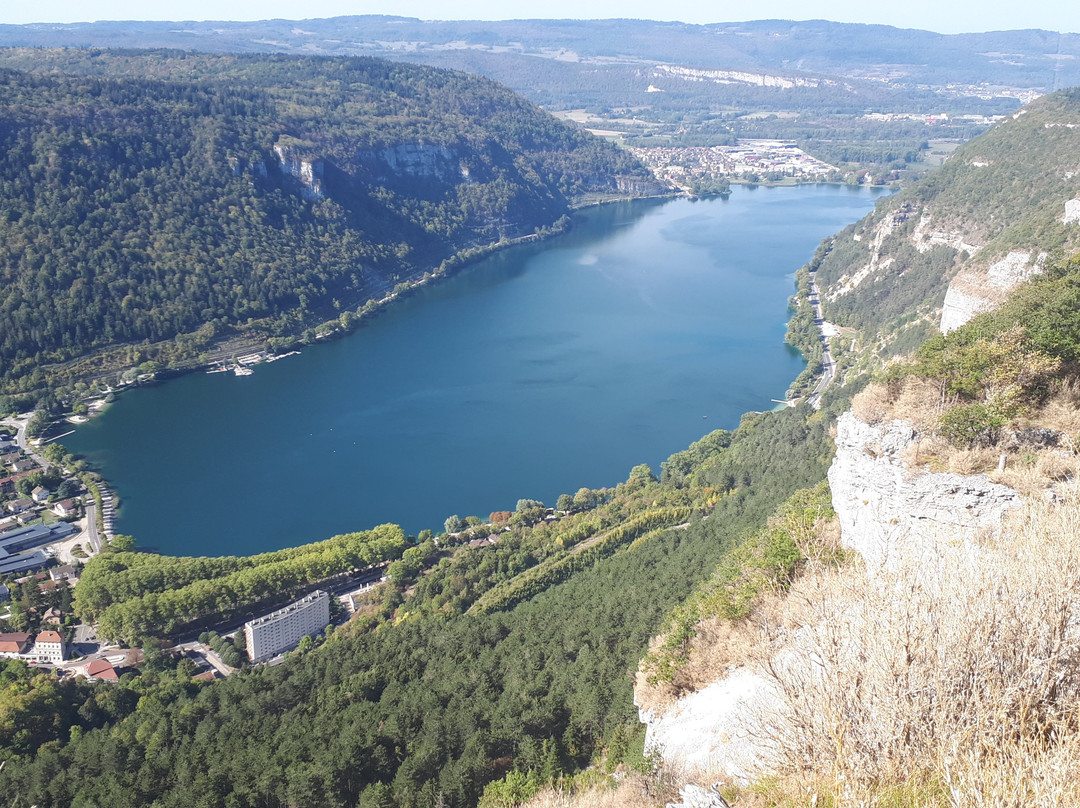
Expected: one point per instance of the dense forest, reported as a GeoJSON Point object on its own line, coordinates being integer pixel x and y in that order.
{"type": "Point", "coordinates": [169, 196]}
{"type": "Point", "coordinates": [473, 664]}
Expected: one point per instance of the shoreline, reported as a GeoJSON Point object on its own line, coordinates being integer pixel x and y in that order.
{"type": "Point", "coordinates": [375, 306]}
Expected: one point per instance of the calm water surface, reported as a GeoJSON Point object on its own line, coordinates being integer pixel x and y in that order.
{"type": "Point", "coordinates": [537, 371]}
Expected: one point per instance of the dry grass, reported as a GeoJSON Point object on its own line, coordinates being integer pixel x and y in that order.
{"type": "Point", "coordinates": [720, 644]}
{"type": "Point", "coordinates": [1032, 473]}
{"type": "Point", "coordinates": [958, 680]}
{"type": "Point", "coordinates": [917, 402]}
{"type": "Point", "coordinates": [626, 791]}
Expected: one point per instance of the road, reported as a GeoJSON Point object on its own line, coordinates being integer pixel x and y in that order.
{"type": "Point", "coordinates": [828, 364]}
{"type": "Point", "coordinates": [21, 438]}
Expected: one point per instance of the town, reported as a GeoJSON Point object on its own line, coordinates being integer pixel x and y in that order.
{"type": "Point", "coordinates": [750, 160]}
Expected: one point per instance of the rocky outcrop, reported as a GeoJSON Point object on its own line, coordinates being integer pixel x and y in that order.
{"type": "Point", "coordinates": [981, 288]}
{"type": "Point", "coordinates": [692, 796]}
{"type": "Point", "coordinates": [308, 171]}
{"type": "Point", "coordinates": [636, 186]}
{"type": "Point", "coordinates": [418, 160]}
{"type": "Point", "coordinates": [713, 731]}
{"type": "Point", "coordinates": [1072, 212]}
{"type": "Point", "coordinates": [888, 512]}
{"type": "Point", "coordinates": [886, 508]}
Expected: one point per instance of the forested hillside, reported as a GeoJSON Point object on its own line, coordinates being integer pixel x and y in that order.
{"type": "Point", "coordinates": [155, 196]}
{"type": "Point", "coordinates": [995, 207]}
{"type": "Point", "coordinates": [475, 664]}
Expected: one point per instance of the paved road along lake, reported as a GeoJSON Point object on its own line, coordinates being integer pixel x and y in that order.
{"type": "Point", "coordinates": [542, 369]}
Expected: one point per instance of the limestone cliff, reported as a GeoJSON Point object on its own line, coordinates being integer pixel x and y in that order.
{"type": "Point", "coordinates": [308, 171]}
{"type": "Point", "coordinates": [888, 512]}
{"type": "Point", "coordinates": [885, 507]}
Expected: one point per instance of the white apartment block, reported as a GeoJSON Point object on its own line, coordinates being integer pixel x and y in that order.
{"type": "Point", "coordinates": [280, 631]}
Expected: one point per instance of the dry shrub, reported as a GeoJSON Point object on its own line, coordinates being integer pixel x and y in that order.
{"type": "Point", "coordinates": [960, 668]}
{"type": "Point", "coordinates": [972, 461]}
{"type": "Point", "coordinates": [919, 404]}
{"type": "Point", "coordinates": [1032, 473]}
{"type": "Point", "coordinates": [872, 404]}
{"type": "Point", "coordinates": [629, 791]}
{"type": "Point", "coordinates": [930, 451]}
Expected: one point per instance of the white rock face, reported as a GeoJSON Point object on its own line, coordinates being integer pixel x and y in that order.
{"type": "Point", "coordinates": [1072, 212]}
{"type": "Point", "coordinates": [692, 796]}
{"type": "Point", "coordinates": [977, 288]}
{"type": "Point", "coordinates": [418, 160]}
{"type": "Point", "coordinates": [885, 509]}
{"type": "Point", "coordinates": [712, 731]}
{"type": "Point", "coordinates": [309, 172]}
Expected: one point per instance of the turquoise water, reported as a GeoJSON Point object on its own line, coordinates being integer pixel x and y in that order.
{"type": "Point", "coordinates": [539, 370]}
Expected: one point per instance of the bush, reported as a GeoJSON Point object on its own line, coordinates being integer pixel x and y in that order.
{"type": "Point", "coordinates": [971, 425]}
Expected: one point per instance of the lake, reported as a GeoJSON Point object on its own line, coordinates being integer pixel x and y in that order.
{"type": "Point", "coordinates": [539, 370]}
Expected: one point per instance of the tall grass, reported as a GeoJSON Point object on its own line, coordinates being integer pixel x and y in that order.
{"type": "Point", "coordinates": [960, 668]}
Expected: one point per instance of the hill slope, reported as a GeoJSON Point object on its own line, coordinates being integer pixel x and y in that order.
{"type": "Point", "coordinates": [985, 216]}
{"type": "Point", "coordinates": [150, 196]}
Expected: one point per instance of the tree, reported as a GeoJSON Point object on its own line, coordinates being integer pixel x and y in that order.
{"type": "Point", "coordinates": [565, 502]}
{"type": "Point", "coordinates": [122, 543]}
{"type": "Point", "coordinates": [454, 524]}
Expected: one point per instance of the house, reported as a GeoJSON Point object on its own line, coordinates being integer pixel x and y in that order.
{"type": "Point", "coordinates": [101, 669]}
{"type": "Point", "coordinates": [65, 508]}
{"type": "Point", "coordinates": [25, 517]}
{"type": "Point", "coordinates": [7, 484]}
{"type": "Point", "coordinates": [14, 644]}
{"type": "Point", "coordinates": [9, 458]}
{"type": "Point", "coordinates": [64, 573]}
{"type": "Point", "coordinates": [50, 647]}
{"type": "Point", "coordinates": [20, 466]}
{"type": "Point", "coordinates": [205, 676]}
{"type": "Point", "coordinates": [19, 505]}
{"type": "Point", "coordinates": [40, 494]}
{"type": "Point", "coordinates": [52, 616]}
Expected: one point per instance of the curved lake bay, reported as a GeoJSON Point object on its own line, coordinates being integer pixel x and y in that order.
{"type": "Point", "coordinates": [539, 370]}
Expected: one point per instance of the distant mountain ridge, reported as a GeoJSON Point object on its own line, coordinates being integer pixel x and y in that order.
{"type": "Point", "coordinates": [610, 62]}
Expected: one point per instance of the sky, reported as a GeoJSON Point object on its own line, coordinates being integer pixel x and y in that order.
{"type": "Point", "coordinates": [934, 15]}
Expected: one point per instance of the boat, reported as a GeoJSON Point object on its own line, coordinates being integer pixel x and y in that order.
{"type": "Point", "coordinates": [240, 370]}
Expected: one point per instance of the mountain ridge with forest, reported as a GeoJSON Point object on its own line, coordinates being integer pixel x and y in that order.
{"type": "Point", "coordinates": [153, 197]}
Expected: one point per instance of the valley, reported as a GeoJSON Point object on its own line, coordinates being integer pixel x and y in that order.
{"type": "Point", "coordinates": [890, 565]}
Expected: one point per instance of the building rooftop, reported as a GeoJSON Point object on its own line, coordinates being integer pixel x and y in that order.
{"type": "Point", "coordinates": [295, 606]}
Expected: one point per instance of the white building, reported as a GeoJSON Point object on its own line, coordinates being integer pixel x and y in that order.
{"type": "Point", "coordinates": [49, 647]}
{"type": "Point", "coordinates": [280, 631]}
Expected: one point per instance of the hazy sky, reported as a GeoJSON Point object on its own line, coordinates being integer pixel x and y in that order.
{"type": "Point", "coordinates": [934, 15]}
